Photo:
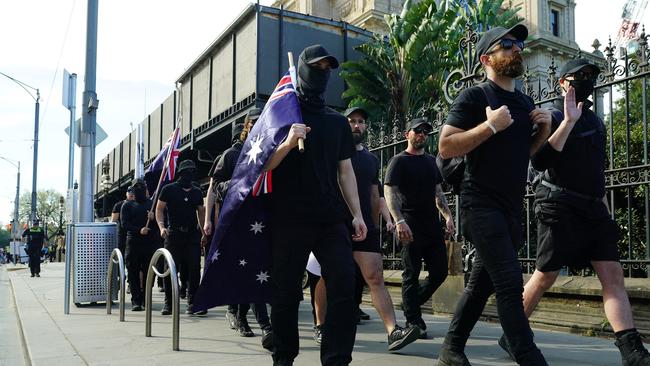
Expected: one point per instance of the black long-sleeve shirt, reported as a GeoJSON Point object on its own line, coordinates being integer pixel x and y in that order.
{"type": "Point", "coordinates": [223, 168]}
{"type": "Point", "coordinates": [580, 166]}
{"type": "Point", "coordinates": [134, 217]}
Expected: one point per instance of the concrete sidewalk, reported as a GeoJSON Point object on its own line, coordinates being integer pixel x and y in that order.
{"type": "Point", "coordinates": [88, 336]}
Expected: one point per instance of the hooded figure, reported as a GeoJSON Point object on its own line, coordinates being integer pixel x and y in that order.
{"type": "Point", "coordinates": [312, 81]}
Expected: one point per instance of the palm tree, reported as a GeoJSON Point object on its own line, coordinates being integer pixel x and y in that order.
{"type": "Point", "coordinates": [402, 74]}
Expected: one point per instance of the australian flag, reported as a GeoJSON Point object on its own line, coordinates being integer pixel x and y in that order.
{"type": "Point", "coordinates": [165, 162]}
{"type": "Point", "coordinates": [238, 268]}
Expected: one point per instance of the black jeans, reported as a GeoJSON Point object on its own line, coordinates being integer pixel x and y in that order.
{"type": "Point", "coordinates": [291, 244]}
{"type": "Point", "coordinates": [259, 310]}
{"type": "Point", "coordinates": [186, 251]}
{"type": "Point", "coordinates": [431, 249]}
{"type": "Point", "coordinates": [34, 253]}
{"type": "Point", "coordinates": [138, 256]}
{"type": "Point", "coordinates": [496, 236]}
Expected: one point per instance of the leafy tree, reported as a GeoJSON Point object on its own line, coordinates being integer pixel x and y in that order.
{"type": "Point", "coordinates": [402, 74]}
{"type": "Point", "coordinates": [5, 237]}
{"type": "Point", "coordinates": [47, 208]}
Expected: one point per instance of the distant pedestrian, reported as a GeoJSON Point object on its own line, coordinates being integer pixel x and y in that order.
{"type": "Point", "coordinates": [115, 217]}
{"type": "Point", "coordinates": [35, 238]}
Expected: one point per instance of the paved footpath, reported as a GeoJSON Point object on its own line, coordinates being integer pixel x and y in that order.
{"type": "Point", "coordinates": [88, 336]}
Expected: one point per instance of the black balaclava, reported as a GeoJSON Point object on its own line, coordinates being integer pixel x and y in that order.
{"type": "Point", "coordinates": [312, 83]}
{"type": "Point", "coordinates": [140, 192]}
{"type": "Point", "coordinates": [186, 177]}
{"type": "Point", "coordinates": [583, 89]}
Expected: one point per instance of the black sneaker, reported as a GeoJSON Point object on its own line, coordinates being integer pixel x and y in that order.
{"type": "Point", "coordinates": [420, 324]}
{"type": "Point", "coordinates": [363, 315]}
{"type": "Point", "coordinates": [136, 308]}
{"type": "Point", "coordinates": [182, 293]}
{"type": "Point", "coordinates": [33, 275]}
{"type": "Point", "coordinates": [267, 338]}
{"type": "Point", "coordinates": [318, 333]}
{"type": "Point", "coordinates": [201, 312]}
{"type": "Point", "coordinates": [401, 337]}
{"type": "Point", "coordinates": [232, 320]}
{"type": "Point", "coordinates": [503, 343]}
{"type": "Point", "coordinates": [633, 353]}
{"type": "Point", "coordinates": [38, 275]}
{"type": "Point", "coordinates": [447, 357]}
{"type": "Point", "coordinates": [166, 310]}
{"type": "Point", "coordinates": [190, 311]}
{"type": "Point", "coordinates": [244, 329]}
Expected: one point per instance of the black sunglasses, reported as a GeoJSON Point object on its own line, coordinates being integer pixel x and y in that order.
{"type": "Point", "coordinates": [507, 43]}
{"type": "Point", "coordinates": [423, 130]}
{"type": "Point", "coordinates": [582, 75]}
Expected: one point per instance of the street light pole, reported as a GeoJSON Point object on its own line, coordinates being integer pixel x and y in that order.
{"type": "Point", "coordinates": [36, 98]}
{"type": "Point", "coordinates": [14, 228]}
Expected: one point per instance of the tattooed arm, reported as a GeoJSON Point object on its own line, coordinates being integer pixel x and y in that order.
{"type": "Point", "coordinates": [441, 203]}
{"type": "Point", "coordinates": [394, 201]}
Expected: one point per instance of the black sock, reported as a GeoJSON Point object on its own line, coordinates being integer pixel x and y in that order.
{"type": "Point", "coordinates": [621, 333]}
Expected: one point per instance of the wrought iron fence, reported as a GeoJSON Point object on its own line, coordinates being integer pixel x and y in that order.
{"type": "Point", "coordinates": [620, 99]}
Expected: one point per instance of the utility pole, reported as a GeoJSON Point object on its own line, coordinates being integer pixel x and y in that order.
{"type": "Point", "coordinates": [88, 119]}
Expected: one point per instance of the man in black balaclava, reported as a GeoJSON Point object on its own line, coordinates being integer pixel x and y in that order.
{"type": "Point", "coordinates": [220, 175]}
{"type": "Point", "coordinates": [183, 202]}
{"type": "Point", "coordinates": [574, 226]}
{"type": "Point", "coordinates": [308, 213]}
{"type": "Point", "coordinates": [140, 240]}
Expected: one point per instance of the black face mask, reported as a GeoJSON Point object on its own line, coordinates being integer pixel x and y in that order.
{"type": "Point", "coordinates": [312, 83]}
{"type": "Point", "coordinates": [583, 89]}
{"type": "Point", "coordinates": [185, 178]}
{"type": "Point", "coordinates": [140, 194]}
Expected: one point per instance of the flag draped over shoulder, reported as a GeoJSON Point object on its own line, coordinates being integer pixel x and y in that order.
{"type": "Point", "coordinates": [163, 164]}
{"type": "Point", "coordinates": [238, 267]}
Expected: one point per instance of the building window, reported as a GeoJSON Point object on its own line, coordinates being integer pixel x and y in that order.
{"type": "Point", "coordinates": [555, 22]}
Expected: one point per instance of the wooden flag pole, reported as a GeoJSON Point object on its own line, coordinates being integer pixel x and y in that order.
{"type": "Point", "coordinates": [301, 141]}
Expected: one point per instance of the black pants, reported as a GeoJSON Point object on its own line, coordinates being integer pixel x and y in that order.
{"type": "Point", "coordinates": [34, 253]}
{"type": "Point", "coordinates": [496, 236]}
{"type": "Point", "coordinates": [138, 256]}
{"type": "Point", "coordinates": [259, 310]}
{"type": "Point", "coordinates": [185, 248]}
{"type": "Point", "coordinates": [429, 247]}
{"type": "Point", "coordinates": [291, 244]}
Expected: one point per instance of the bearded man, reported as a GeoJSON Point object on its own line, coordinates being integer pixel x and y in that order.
{"type": "Point", "coordinates": [497, 143]}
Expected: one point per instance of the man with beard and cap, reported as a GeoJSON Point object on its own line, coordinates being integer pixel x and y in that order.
{"type": "Point", "coordinates": [220, 175]}
{"type": "Point", "coordinates": [115, 217]}
{"type": "Point", "coordinates": [414, 194]}
{"type": "Point", "coordinates": [574, 226]}
{"type": "Point", "coordinates": [183, 203]}
{"type": "Point", "coordinates": [308, 213]}
{"type": "Point", "coordinates": [497, 142]}
{"type": "Point", "coordinates": [35, 238]}
{"type": "Point", "coordinates": [140, 240]}
{"type": "Point", "coordinates": [367, 253]}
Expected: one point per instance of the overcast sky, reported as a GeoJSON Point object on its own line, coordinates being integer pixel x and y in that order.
{"type": "Point", "coordinates": [143, 46]}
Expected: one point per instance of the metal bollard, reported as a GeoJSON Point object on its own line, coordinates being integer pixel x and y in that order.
{"type": "Point", "coordinates": [151, 274]}
{"type": "Point", "coordinates": [116, 258]}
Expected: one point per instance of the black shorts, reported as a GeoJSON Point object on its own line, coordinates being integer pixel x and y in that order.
{"type": "Point", "coordinates": [371, 244]}
{"type": "Point", "coordinates": [565, 238]}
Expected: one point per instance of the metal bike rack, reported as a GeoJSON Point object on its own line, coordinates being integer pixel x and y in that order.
{"type": "Point", "coordinates": [115, 259]}
{"type": "Point", "coordinates": [151, 274]}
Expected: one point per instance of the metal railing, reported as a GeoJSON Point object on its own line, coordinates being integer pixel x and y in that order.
{"type": "Point", "coordinates": [171, 272]}
{"type": "Point", "coordinates": [115, 259]}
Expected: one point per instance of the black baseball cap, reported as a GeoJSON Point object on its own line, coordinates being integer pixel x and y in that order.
{"type": "Point", "coordinates": [491, 37]}
{"type": "Point", "coordinates": [315, 53]}
{"type": "Point", "coordinates": [254, 114]}
{"type": "Point", "coordinates": [414, 123]}
{"type": "Point", "coordinates": [351, 110]}
{"type": "Point", "coordinates": [576, 65]}
{"type": "Point", "coordinates": [236, 130]}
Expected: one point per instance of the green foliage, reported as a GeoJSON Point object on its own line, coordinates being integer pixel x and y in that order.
{"type": "Point", "coordinates": [5, 237]}
{"type": "Point", "coordinates": [403, 73]}
{"type": "Point", "coordinates": [47, 209]}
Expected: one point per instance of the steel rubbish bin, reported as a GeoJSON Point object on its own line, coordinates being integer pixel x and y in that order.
{"type": "Point", "coordinates": [93, 244]}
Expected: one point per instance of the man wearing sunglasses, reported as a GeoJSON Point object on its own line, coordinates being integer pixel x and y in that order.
{"type": "Point", "coordinates": [413, 193]}
{"type": "Point", "coordinates": [574, 226]}
{"type": "Point", "coordinates": [497, 142]}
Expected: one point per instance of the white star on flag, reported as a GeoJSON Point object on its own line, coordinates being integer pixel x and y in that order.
{"type": "Point", "coordinates": [256, 227]}
{"type": "Point", "coordinates": [263, 277]}
{"type": "Point", "coordinates": [255, 149]}
{"type": "Point", "coordinates": [242, 262]}
{"type": "Point", "coordinates": [216, 255]}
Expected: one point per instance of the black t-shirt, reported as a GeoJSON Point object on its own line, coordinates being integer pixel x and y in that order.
{"type": "Point", "coordinates": [496, 170]}
{"type": "Point", "coordinates": [134, 217]}
{"type": "Point", "coordinates": [34, 236]}
{"type": "Point", "coordinates": [117, 209]}
{"type": "Point", "coordinates": [223, 168]}
{"type": "Point", "coordinates": [366, 170]}
{"type": "Point", "coordinates": [181, 205]}
{"type": "Point", "coordinates": [580, 166]}
{"type": "Point", "coordinates": [305, 185]}
{"type": "Point", "coordinates": [416, 177]}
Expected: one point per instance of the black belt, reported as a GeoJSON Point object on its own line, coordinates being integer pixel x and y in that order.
{"type": "Point", "coordinates": [556, 188]}
{"type": "Point", "coordinates": [183, 229]}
